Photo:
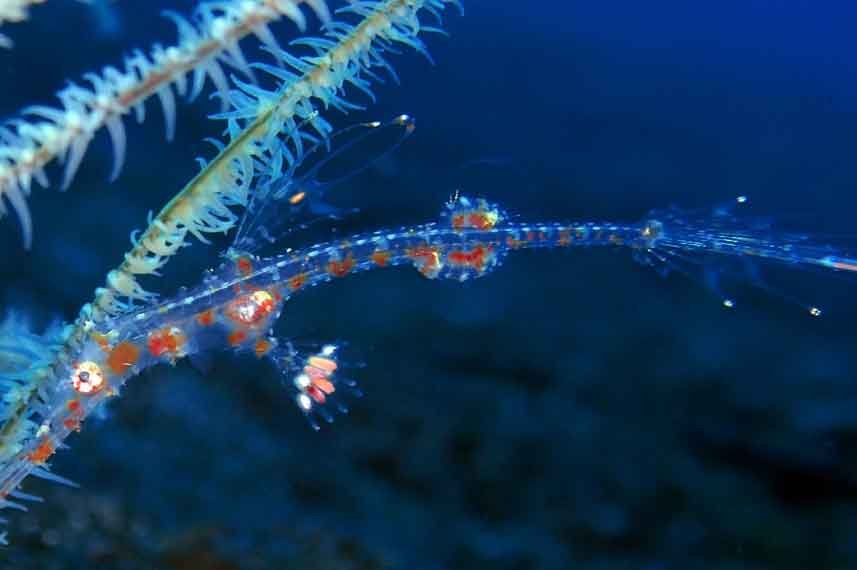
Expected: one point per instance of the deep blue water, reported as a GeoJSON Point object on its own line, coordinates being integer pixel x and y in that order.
{"type": "Point", "coordinates": [573, 409]}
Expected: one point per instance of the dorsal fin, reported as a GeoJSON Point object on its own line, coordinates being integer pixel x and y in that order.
{"type": "Point", "coordinates": [290, 193]}
{"type": "Point", "coordinates": [463, 212]}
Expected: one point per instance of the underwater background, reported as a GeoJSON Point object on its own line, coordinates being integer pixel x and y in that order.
{"type": "Point", "coordinates": [572, 409]}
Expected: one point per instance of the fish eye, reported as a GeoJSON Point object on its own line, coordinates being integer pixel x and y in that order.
{"type": "Point", "coordinates": [87, 377]}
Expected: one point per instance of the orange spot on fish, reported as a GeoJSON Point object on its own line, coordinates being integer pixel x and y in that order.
{"type": "Point", "coordinates": [166, 341]}
{"type": "Point", "coordinates": [318, 370]}
{"type": "Point", "coordinates": [236, 337]}
{"type": "Point", "coordinates": [474, 258]}
{"type": "Point", "coordinates": [326, 365]}
{"type": "Point", "coordinates": [316, 394]}
{"type": "Point", "coordinates": [297, 281]}
{"type": "Point", "coordinates": [426, 259]}
{"type": "Point", "coordinates": [458, 221]}
{"type": "Point", "coordinates": [324, 385]}
{"type": "Point", "coordinates": [42, 452]}
{"type": "Point", "coordinates": [102, 341]}
{"type": "Point", "coordinates": [423, 252]}
{"type": "Point", "coordinates": [564, 238]}
{"type": "Point", "coordinates": [76, 411]}
{"type": "Point", "coordinates": [381, 258]}
{"type": "Point", "coordinates": [251, 308]}
{"type": "Point", "coordinates": [156, 344]}
{"type": "Point", "coordinates": [123, 356]}
{"type": "Point", "coordinates": [245, 266]}
{"type": "Point", "coordinates": [206, 318]}
{"type": "Point", "coordinates": [262, 347]}
{"type": "Point", "coordinates": [480, 221]}
{"type": "Point", "coordinates": [341, 268]}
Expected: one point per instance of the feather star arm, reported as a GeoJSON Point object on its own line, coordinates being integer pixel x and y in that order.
{"type": "Point", "coordinates": [64, 132]}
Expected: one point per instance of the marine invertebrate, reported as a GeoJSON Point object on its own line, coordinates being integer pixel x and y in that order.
{"type": "Point", "coordinates": [14, 11]}
{"type": "Point", "coordinates": [206, 42]}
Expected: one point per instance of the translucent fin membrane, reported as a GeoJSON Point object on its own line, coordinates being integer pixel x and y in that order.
{"type": "Point", "coordinates": [206, 42]}
{"type": "Point", "coordinates": [728, 250]}
{"type": "Point", "coordinates": [257, 123]}
{"type": "Point", "coordinates": [320, 389]}
{"type": "Point", "coordinates": [290, 193]}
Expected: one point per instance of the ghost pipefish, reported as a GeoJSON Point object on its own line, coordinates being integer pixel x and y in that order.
{"type": "Point", "coordinates": [237, 305]}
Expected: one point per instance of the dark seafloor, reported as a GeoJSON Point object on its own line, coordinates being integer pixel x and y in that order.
{"type": "Point", "coordinates": [573, 409]}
